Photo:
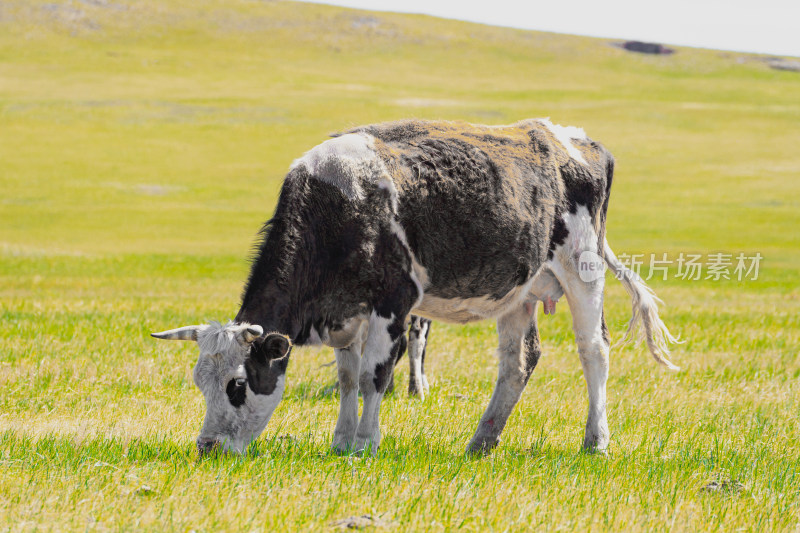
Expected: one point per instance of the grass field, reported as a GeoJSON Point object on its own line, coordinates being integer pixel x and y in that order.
{"type": "Point", "coordinates": [142, 144]}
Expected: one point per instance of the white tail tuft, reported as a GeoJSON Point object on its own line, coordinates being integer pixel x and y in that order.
{"type": "Point", "coordinates": [645, 323]}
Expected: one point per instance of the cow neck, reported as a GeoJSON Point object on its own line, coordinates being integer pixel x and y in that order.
{"type": "Point", "coordinates": [267, 305]}
{"type": "Point", "coordinates": [275, 295]}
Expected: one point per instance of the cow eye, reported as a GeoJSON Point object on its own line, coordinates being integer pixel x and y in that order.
{"type": "Point", "coordinates": [237, 392]}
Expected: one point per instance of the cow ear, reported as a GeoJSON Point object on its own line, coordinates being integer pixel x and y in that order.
{"type": "Point", "coordinates": [277, 346]}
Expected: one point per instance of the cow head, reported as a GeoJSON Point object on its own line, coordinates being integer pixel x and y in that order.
{"type": "Point", "coordinates": [241, 373]}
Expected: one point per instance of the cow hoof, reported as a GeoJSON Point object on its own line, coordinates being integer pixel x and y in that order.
{"type": "Point", "coordinates": [482, 447]}
{"type": "Point", "coordinates": [596, 446]}
{"type": "Point", "coordinates": [343, 450]}
{"type": "Point", "coordinates": [416, 393]}
{"type": "Point", "coordinates": [343, 445]}
{"type": "Point", "coordinates": [365, 448]}
{"type": "Point", "coordinates": [602, 452]}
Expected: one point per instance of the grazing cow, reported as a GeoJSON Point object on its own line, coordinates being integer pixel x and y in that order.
{"type": "Point", "coordinates": [450, 221]}
{"type": "Point", "coordinates": [417, 341]}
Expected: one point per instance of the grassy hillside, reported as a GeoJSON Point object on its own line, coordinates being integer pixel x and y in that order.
{"type": "Point", "coordinates": [143, 144]}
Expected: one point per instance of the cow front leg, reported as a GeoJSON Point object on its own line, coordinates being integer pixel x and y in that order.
{"type": "Point", "coordinates": [348, 361]}
{"type": "Point", "coordinates": [519, 352]}
{"type": "Point", "coordinates": [377, 366]}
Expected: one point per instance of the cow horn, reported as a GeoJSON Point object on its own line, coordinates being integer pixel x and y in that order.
{"type": "Point", "coordinates": [186, 333]}
{"type": "Point", "coordinates": [252, 332]}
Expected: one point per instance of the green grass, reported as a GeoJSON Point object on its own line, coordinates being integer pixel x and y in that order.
{"type": "Point", "coordinates": [143, 144]}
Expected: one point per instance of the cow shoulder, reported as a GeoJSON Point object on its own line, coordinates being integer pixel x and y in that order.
{"type": "Point", "coordinates": [349, 162]}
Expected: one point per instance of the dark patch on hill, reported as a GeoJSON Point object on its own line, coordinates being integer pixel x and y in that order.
{"type": "Point", "coordinates": [779, 63]}
{"type": "Point", "coordinates": [646, 48]}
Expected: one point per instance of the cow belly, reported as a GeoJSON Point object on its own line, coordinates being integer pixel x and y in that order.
{"type": "Point", "coordinates": [463, 310]}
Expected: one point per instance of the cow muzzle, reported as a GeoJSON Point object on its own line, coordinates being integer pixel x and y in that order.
{"type": "Point", "coordinates": [206, 446]}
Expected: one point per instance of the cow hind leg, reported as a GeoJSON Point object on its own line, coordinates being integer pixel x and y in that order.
{"type": "Point", "coordinates": [425, 385]}
{"type": "Point", "coordinates": [417, 339]}
{"type": "Point", "coordinates": [519, 353]}
{"type": "Point", "coordinates": [585, 300]}
{"type": "Point", "coordinates": [591, 335]}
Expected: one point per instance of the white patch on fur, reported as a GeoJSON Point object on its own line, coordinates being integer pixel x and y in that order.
{"type": "Point", "coordinates": [386, 184]}
{"type": "Point", "coordinates": [344, 162]}
{"type": "Point", "coordinates": [423, 341]}
{"type": "Point", "coordinates": [379, 342]}
{"type": "Point", "coordinates": [340, 338]}
{"type": "Point", "coordinates": [565, 134]}
{"type": "Point", "coordinates": [582, 236]}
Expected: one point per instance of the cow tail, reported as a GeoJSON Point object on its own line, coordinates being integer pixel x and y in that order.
{"type": "Point", "coordinates": [645, 323]}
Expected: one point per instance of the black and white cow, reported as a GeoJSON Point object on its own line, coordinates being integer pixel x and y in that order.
{"type": "Point", "coordinates": [451, 221]}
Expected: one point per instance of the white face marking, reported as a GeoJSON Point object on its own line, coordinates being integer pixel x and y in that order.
{"type": "Point", "coordinates": [222, 357]}
{"type": "Point", "coordinates": [565, 134]}
{"type": "Point", "coordinates": [344, 162]}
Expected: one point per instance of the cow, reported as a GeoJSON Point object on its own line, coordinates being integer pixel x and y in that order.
{"type": "Point", "coordinates": [446, 220]}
